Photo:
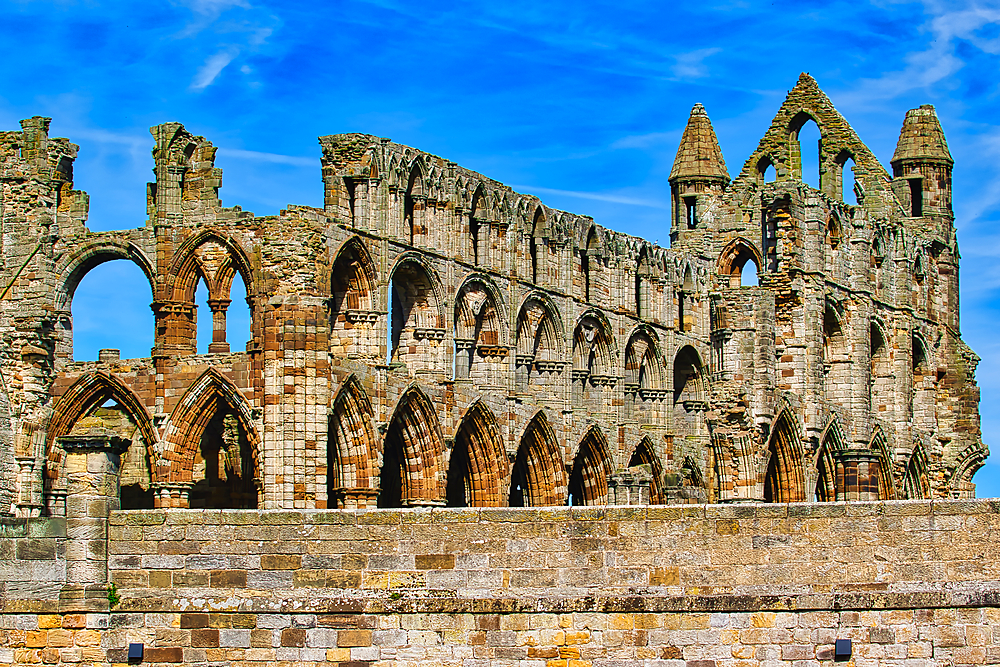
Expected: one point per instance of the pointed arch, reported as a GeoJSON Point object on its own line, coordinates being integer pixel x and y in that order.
{"type": "Point", "coordinates": [594, 357]}
{"type": "Point", "coordinates": [588, 480]}
{"type": "Point", "coordinates": [643, 360]}
{"type": "Point", "coordinates": [590, 265]}
{"type": "Point", "coordinates": [353, 451]}
{"type": "Point", "coordinates": [412, 453]}
{"type": "Point", "coordinates": [916, 482]}
{"type": "Point", "coordinates": [832, 440]}
{"type": "Point", "coordinates": [689, 381]}
{"type": "Point", "coordinates": [883, 459]}
{"type": "Point", "coordinates": [783, 480]}
{"type": "Point", "coordinates": [734, 258]}
{"type": "Point", "coordinates": [480, 330]}
{"type": "Point", "coordinates": [538, 478]}
{"type": "Point", "coordinates": [211, 394]}
{"type": "Point", "coordinates": [416, 314]}
{"type": "Point", "coordinates": [479, 216]}
{"type": "Point", "coordinates": [353, 278]}
{"type": "Point", "coordinates": [90, 391]}
{"type": "Point", "coordinates": [478, 467]}
{"type": "Point", "coordinates": [415, 202]}
{"type": "Point", "coordinates": [644, 454]}
{"type": "Point", "coordinates": [186, 268]}
{"type": "Point", "coordinates": [539, 355]}
{"type": "Point", "coordinates": [971, 459]}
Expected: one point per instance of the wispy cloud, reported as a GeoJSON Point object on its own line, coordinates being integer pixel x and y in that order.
{"type": "Point", "coordinates": [206, 12]}
{"type": "Point", "coordinates": [596, 196]}
{"type": "Point", "coordinates": [273, 158]}
{"type": "Point", "coordinates": [691, 65]}
{"type": "Point", "coordinates": [212, 68]}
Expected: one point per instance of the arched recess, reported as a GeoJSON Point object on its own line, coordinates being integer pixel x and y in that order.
{"type": "Point", "coordinates": [922, 397]}
{"type": "Point", "coordinates": [882, 379]}
{"type": "Point", "coordinates": [590, 265]}
{"type": "Point", "coordinates": [783, 479]}
{"type": "Point", "coordinates": [353, 313]}
{"type": "Point", "coordinates": [645, 287]}
{"type": "Point", "coordinates": [836, 361]}
{"type": "Point", "coordinates": [593, 356]}
{"type": "Point", "coordinates": [73, 269]}
{"type": "Point", "coordinates": [353, 450]}
{"type": "Point", "coordinates": [916, 483]}
{"type": "Point", "coordinates": [538, 344]}
{"type": "Point", "coordinates": [538, 249]}
{"type": "Point", "coordinates": [415, 204]}
{"type": "Point", "coordinates": [689, 392]}
{"type": "Point", "coordinates": [538, 478]}
{"type": "Point", "coordinates": [766, 171]}
{"type": "Point", "coordinates": [645, 455]}
{"type": "Point", "coordinates": [883, 461]}
{"type": "Point", "coordinates": [645, 375]}
{"type": "Point", "coordinates": [480, 334]}
{"type": "Point", "coordinates": [685, 301]}
{"type": "Point", "coordinates": [807, 161]}
{"type": "Point", "coordinates": [733, 260]}
{"type": "Point", "coordinates": [845, 179]}
{"type": "Point", "coordinates": [971, 459]}
{"type": "Point", "coordinates": [416, 316]}
{"type": "Point", "coordinates": [832, 440]}
{"type": "Point", "coordinates": [412, 454]}
{"type": "Point", "coordinates": [211, 441]}
{"type": "Point", "coordinates": [211, 257]}
{"type": "Point", "coordinates": [479, 226]}
{"type": "Point", "coordinates": [478, 467]}
{"type": "Point", "coordinates": [87, 395]}
{"type": "Point", "coordinates": [588, 481]}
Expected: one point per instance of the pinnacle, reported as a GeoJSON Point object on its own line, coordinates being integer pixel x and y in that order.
{"type": "Point", "coordinates": [921, 137]}
{"type": "Point", "coordinates": [699, 155]}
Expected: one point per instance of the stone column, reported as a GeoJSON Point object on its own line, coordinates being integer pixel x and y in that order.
{"type": "Point", "coordinates": [92, 465]}
{"type": "Point", "coordinates": [172, 494]}
{"type": "Point", "coordinates": [218, 308]}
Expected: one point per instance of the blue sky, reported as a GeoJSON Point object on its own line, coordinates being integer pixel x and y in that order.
{"type": "Point", "coordinates": [580, 103]}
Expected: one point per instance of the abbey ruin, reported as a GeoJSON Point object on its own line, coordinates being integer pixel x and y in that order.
{"type": "Point", "coordinates": [431, 339]}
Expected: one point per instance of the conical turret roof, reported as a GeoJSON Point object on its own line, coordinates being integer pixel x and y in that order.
{"type": "Point", "coordinates": [699, 155]}
{"type": "Point", "coordinates": [922, 137]}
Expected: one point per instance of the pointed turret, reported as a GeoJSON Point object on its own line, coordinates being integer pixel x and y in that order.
{"type": "Point", "coordinates": [923, 161]}
{"type": "Point", "coordinates": [699, 156]}
{"type": "Point", "coordinates": [699, 172]}
{"type": "Point", "coordinates": [922, 138]}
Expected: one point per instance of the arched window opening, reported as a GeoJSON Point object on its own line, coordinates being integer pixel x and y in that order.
{"type": "Point", "coordinates": [809, 147]}
{"type": "Point", "coordinates": [353, 319]}
{"type": "Point", "coordinates": [849, 182]}
{"type": "Point", "coordinates": [478, 352]}
{"type": "Point", "coordinates": [881, 377]}
{"type": "Point", "coordinates": [644, 457]}
{"type": "Point", "coordinates": [238, 315]}
{"type": "Point", "coordinates": [916, 485]}
{"type": "Point", "coordinates": [352, 454]}
{"type": "Point", "coordinates": [589, 264]}
{"type": "Point", "coordinates": [414, 203]}
{"type": "Point", "coordinates": [591, 358]}
{"type": "Point", "coordinates": [833, 232]}
{"type": "Point", "coordinates": [691, 212]}
{"type": "Point", "coordinates": [478, 462]}
{"type": "Point", "coordinates": [825, 482]}
{"type": "Point", "coordinates": [916, 197]}
{"type": "Point", "coordinates": [783, 481]}
{"type": "Point", "coordinates": [538, 475]}
{"type": "Point", "coordinates": [644, 281]}
{"type": "Point", "coordinates": [223, 464]}
{"type": "Point", "coordinates": [748, 274]}
{"type": "Point", "coordinates": [205, 324]}
{"type": "Point", "coordinates": [643, 377]}
{"type": "Point", "coordinates": [538, 359]}
{"type": "Point", "coordinates": [766, 173]}
{"type": "Point", "coordinates": [689, 393]}
{"type": "Point", "coordinates": [922, 394]}
{"type": "Point", "coordinates": [415, 334]}
{"type": "Point", "coordinates": [411, 455]}
{"type": "Point", "coordinates": [111, 311]}
{"type": "Point", "coordinates": [588, 482]}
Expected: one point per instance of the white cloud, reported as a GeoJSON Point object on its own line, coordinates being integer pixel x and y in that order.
{"type": "Point", "coordinates": [273, 158]}
{"type": "Point", "coordinates": [212, 68]}
{"type": "Point", "coordinates": [653, 139]}
{"type": "Point", "coordinates": [597, 196]}
{"type": "Point", "coordinates": [691, 65]}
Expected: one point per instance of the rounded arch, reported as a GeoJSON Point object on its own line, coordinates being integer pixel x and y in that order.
{"type": "Point", "coordinates": [354, 453]}
{"type": "Point", "coordinates": [211, 393]}
{"type": "Point", "coordinates": [538, 478]}
{"type": "Point", "coordinates": [592, 465]}
{"type": "Point", "coordinates": [73, 269]}
{"type": "Point", "coordinates": [783, 480]}
{"type": "Point", "coordinates": [412, 453]}
{"type": "Point", "coordinates": [91, 390]}
{"type": "Point", "coordinates": [734, 257]}
{"type": "Point", "coordinates": [186, 268]}
{"type": "Point", "coordinates": [478, 466]}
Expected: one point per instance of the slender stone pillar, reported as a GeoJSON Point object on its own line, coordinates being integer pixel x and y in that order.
{"type": "Point", "coordinates": [93, 460]}
{"type": "Point", "coordinates": [219, 308]}
{"type": "Point", "coordinates": [172, 494]}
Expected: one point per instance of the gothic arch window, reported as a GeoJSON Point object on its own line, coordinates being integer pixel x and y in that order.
{"type": "Point", "coordinates": [412, 452]}
{"type": "Point", "coordinates": [849, 186]}
{"type": "Point", "coordinates": [922, 395]}
{"type": "Point", "coordinates": [593, 358]}
{"type": "Point", "coordinates": [536, 248]}
{"type": "Point", "coordinates": [766, 173]}
{"type": "Point", "coordinates": [836, 361]}
{"type": "Point", "coordinates": [689, 392]}
{"type": "Point", "coordinates": [916, 484]}
{"type": "Point", "coordinates": [480, 344]}
{"type": "Point", "coordinates": [881, 378]}
{"type": "Point", "coordinates": [880, 469]}
{"type": "Point", "coordinates": [352, 450]}
{"type": "Point", "coordinates": [416, 326]}
{"type": "Point", "coordinates": [739, 264]}
{"type": "Point", "coordinates": [478, 466]}
{"type": "Point", "coordinates": [353, 315]}
{"type": "Point", "coordinates": [538, 478]}
{"type": "Point", "coordinates": [645, 456]}
{"type": "Point", "coordinates": [414, 205]}
{"type": "Point", "coordinates": [478, 221]}
{"type": "Point", "coordinates": [806, 145]}
{"type": "Point", "coordinates": [644, 374]}
{"type": "Point", "coordinates": [538, 360]}
{"type": "Point", "coordinates": [588, 481]}
{"type": "Point", "coordinates": [825, 489]}
{"type": "Point", "coordinates": [685, 303]}
{"type": "Point", "coordinates": [783, 479]}
{"type": "Point", "coordinates": [590, 265]}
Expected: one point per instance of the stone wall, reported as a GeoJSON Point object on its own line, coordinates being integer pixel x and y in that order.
{"type": "Point", "coordinates": [913, 581]}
